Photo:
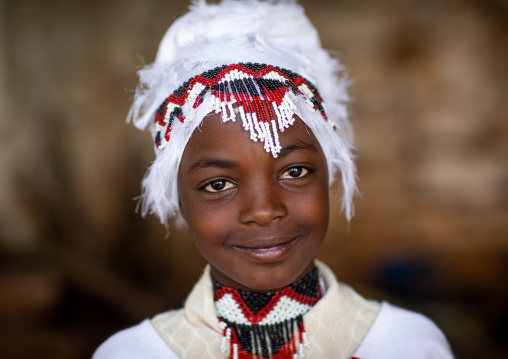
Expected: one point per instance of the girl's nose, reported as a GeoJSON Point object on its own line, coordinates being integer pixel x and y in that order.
{"type": "Point", "coordinates": [262, 204]}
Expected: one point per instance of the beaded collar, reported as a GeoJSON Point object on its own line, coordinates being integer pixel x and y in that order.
{"type": "Point", "coordinates": [266, 325]}
{"type": "Point", "coordinates": [265, 96]}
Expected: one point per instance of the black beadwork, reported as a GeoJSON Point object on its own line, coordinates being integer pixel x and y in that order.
{"type": "Point", "coordinates": [253, 66]}
{"type": "Point", "coordinates": [181, 90]}
{"type": "Point", "coordinates": [210, 74]}
{"type": "Point", "coordinates": [307, 286]}
{"type": "Point", "coordinates": [287, 72]}
{"type": "Point", "coordinates": [161, 108]}
{"type": "Point", "coordinates": [293, 88]}
{"type": "Point", "coordinates": [265, 341]}
{"type": "Point", "coordinates": [253, 86]}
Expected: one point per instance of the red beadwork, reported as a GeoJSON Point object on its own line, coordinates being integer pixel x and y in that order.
{"type": "Point", "coordinates": [256, 318]}
{"type": "Point", "coordinates": [167, 135]}
{"type": "Point", "coordinates": [252, 104]}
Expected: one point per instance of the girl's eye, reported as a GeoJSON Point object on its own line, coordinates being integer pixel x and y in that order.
{"type": "Point", "coordinates": [295, 172]}
{"type": "Point", "coordinates": [218, 186]}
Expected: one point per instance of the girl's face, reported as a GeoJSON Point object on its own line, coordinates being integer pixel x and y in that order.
{"type": "Point", "coordinates": [256, 219]}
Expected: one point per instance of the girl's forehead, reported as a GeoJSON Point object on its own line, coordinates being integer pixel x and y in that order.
{"type": "Point", "coordinates": [214, 133]}
{"type": "Point", "coordinates": [214, 138]}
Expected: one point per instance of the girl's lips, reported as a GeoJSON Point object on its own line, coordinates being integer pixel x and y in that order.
{"type": "Point", "coordinates": [269, 252]}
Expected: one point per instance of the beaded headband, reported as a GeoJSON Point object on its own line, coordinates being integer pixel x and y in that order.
{"type": "Point", "coordinates": [233, 57]}
{"type": "Point", "coordinates": [248, 85]}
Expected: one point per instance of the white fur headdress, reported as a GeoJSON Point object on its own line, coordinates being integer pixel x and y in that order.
{"type": "Point", "coordinates": [234, 37]}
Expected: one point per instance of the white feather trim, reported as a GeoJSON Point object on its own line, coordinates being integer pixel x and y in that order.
{"type": "Point", "coordinates": [211, 35]}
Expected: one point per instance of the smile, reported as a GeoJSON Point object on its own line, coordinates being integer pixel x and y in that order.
{"type": "Point", "coordinates": [273, 250]}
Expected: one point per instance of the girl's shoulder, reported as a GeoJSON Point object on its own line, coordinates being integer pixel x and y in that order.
{"type": "Point", "coordinates": [138, 342]}
{"type": "Point", "coordinates": [400, 333]}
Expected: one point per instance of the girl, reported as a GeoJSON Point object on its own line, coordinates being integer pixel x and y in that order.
{"type": "Point", "coordinates": [250, 129]}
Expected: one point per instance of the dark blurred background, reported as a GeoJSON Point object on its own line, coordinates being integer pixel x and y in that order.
{"type": "Point", "coordinates": [430, 112]}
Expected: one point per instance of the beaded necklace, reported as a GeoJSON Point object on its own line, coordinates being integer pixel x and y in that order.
{"type": "Point", "coordinates": [266, 325]}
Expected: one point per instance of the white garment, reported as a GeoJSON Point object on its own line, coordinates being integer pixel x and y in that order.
{"type": "Point", "coordinates": [399, 333]}
{"type": "Point", "coordinates": [335, 326]}
{"type": "Point", "coordinates": [138, 342]}
{"type": "Point", "coordinates": [394, 333]}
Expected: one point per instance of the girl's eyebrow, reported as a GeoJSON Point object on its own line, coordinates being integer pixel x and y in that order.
{"type": "Point", "coordinates": [298, 146]}
{"type": "Point", "coordinates": [205, 162]}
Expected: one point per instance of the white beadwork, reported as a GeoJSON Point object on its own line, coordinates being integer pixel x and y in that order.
{"type": "Point", "coordinates": [229, 309]}
{"type": "Point", "coordinates": [285, 308]}
{"type": "Point", "coordinates": [252, 130]}
{"type": "Point", "coordinates": [301, 354]}
{"type": "Point", "coordinates": [308, 94]}
{"type": "Point", "coordinates": [195, 90]}
{"type": "Point", "coordinates": [272, 75]}
{"type": "Point", "coordinates": [223, 346]}
{"type": "Point", "coordinates": [305, 340]}
{"type": "Point", "coordinates": [232, 115]}
{"type": "Point", "coordinates": [257, 126]}
{"type": "Point", "coordinates": [277, 147]}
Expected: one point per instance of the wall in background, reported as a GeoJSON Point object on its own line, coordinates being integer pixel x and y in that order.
{"type": "Point", "coordinates": [429, 83]}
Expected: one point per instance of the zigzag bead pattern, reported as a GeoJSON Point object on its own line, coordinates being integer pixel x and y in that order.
{"type": "Point", "coordinates": [266, 325]}
{"type": "Point", "coordinates": [264, 95]}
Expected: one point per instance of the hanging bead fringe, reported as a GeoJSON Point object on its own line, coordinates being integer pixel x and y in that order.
{"type": "Point", "coordinates": [263, 94]}
{"type": "Point", "coordinates": [273, 341]}
{"type": "Point", "coordinates": [265, 108]}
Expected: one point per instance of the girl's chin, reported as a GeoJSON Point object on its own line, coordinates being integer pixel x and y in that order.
{"type": "Point", "coordinates": [263, 280]}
